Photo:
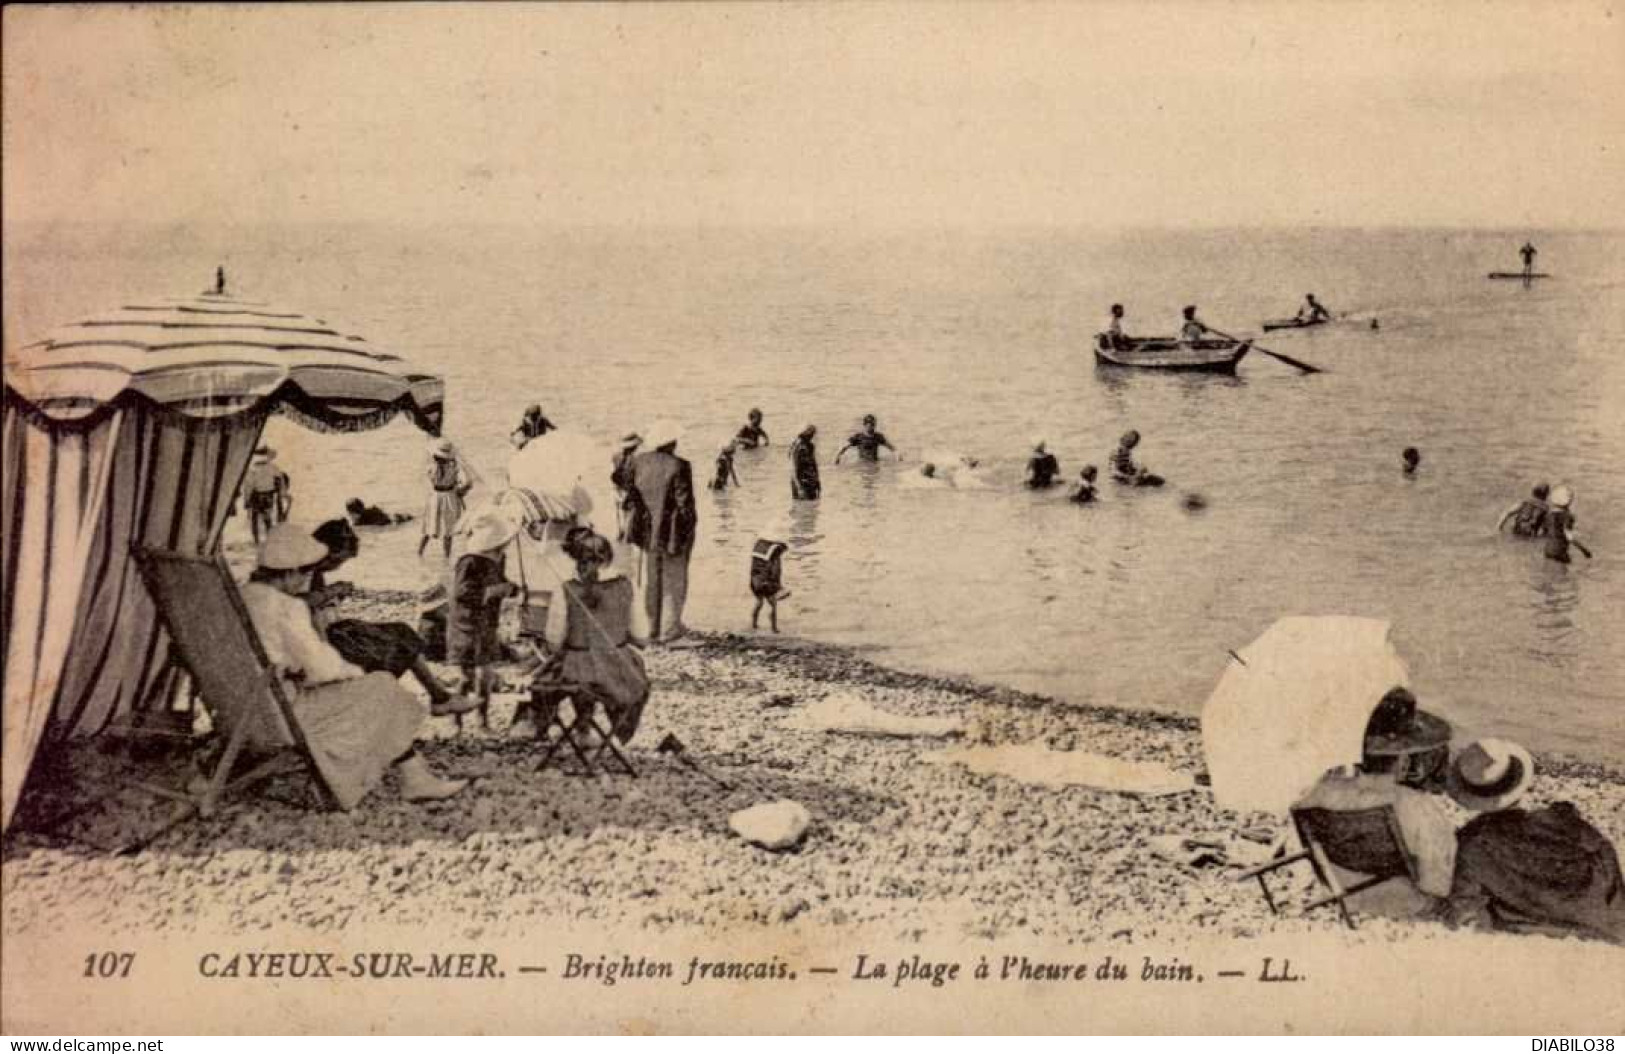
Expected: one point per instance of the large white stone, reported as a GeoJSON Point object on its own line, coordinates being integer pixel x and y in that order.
{"type": "Point", "coordinates": [773, 825]}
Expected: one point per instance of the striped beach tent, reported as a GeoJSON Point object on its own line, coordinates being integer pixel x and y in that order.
{"type": "Point", "coordinates": [135, 428]}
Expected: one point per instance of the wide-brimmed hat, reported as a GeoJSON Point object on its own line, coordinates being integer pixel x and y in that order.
{"type": "Point", "coordinates": [1490, 774]}
{"type": "Point", "coordinates": [1398, 727]}
{"type": "Point", "coordinates": [442, 448]}
{"type": "Point", "coordinates": [662, 433]}
{"type": "Point", "coordinates": [488, 528]}
{"type": "Point", "coordinates": [290, 548]}
{"type": "Point", "coordinates": [631, 439]}
{"type": "Point", "coordinates": [1561, 497]}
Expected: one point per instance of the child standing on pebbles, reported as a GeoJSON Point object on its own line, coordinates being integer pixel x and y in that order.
{"type": "Point", "coordinates": [478, 589]}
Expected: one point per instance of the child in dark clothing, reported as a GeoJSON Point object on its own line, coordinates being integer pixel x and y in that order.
{"type": "Point", "coordinates": [363, 515]}
{"type": "Point", "coordinates": [767, 579]}
{"type": "Point", "coordinates": [1085, 491]}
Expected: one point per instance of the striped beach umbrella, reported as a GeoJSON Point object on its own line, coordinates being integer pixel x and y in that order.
{"type": "Point", "coordinates": [215, 355]}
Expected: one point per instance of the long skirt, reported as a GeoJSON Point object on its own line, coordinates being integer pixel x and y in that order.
{"type": "Point", "coordinates": [440, 515]}
{"type": "Point", "coordinates": [356, 729]}
{"type": "Point", "coordinates": [388, 646]}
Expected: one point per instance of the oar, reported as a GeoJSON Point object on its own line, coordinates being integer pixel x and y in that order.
{"type": "Point", "coordinates": [1289, 360]}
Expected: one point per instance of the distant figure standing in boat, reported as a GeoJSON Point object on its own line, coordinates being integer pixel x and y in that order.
{"type": "Point", "coordinates": [1084, 492]}
{"type": "Point", "coordinates": [219, 281]}
{"type": "Point", "coordinates": [1193, 329]}
{"type": "Point", "coordinates": [1560, 533]}
{"type": "Point", "coordinates": [867, 442]}
{"type": "Point", "coordinates": [752, 435]}
{"type": "Point", "coordinates": [1042, 467]}
{"type": "Point", "coordinates": [1528, 252]}
{"type": "Point", "coordinates": [1114, 329]}
{"type": "Point", "coordinates": [804, 483]}
{"type": "Point", "coordinates": [1410, 458]}
{"type": "Point", "coordinates": [725, 468]}
{"type": "Point", "coordinates": [1528, 517]}
{"type": "Point", "coordinates": [1313, 310]}
{"type": "Point", "coordinates": [1124, 470]}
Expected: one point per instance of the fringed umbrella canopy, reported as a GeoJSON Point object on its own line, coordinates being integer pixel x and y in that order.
{"type": "Point", "coordinates": [214, 356]}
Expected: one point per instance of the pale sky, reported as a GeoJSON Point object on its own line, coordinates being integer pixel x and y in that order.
{"type": "Point", "coordinates": [1501, 115]}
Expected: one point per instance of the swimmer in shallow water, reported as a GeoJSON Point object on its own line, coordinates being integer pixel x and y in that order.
{"type": "Point", "coordinates": [363, 515]}
{"type": "Point", "coordinates": [1084, 492]}
{"type": "Point", "coordinates": [1411, 458]}
{"type": "Point", "coordinates": [752, 435]}
{"type": "Point", "coordinates": [1528, 517]}
{"type": "Point", "coordinates": [1042, 466]}
{"type": "Point", "coordinates": [725, 467]}
{"type": "Point", "coordinates": [1124, 470]}
{"type": "Point", "coordinates": [867, 442]}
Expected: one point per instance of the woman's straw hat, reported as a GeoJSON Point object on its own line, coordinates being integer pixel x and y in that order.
{"type": "Point", "coordinates": [290, 548]}
{"type": "Point", "coordinates": [1490, 774]}
{"type": "Point", "coordinates": [442, 448]}
{"type": "Point", "coordinates": [1562, 496]}
{"type": "Point", "coordinates": [488, 528]}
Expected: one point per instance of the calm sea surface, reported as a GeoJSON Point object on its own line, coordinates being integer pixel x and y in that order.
{"type": "Point", "coordinates": [978, 343]}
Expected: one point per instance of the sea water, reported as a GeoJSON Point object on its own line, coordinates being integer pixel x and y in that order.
{"type": "Point", "coordinates": [979, 342]}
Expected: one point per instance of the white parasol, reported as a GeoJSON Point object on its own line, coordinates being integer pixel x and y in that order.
{"type": "Point", "coordinates": [568, 475]}
{"type": "Point", "coordinates": [1294, 704]}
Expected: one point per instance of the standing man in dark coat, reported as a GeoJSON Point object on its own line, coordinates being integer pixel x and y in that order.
{"type": "Point", "coordinates": [662, 526]}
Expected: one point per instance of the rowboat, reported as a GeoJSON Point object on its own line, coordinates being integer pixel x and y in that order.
{"type": "Point", "coordinates": [1517, 274]}
{"type": "Point", "coordinates": [1293, 323]}
{"type": "Point", "coordinates": [1167, 353]}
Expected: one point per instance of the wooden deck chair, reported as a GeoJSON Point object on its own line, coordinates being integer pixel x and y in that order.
{"type": "Point", "coordinates": [215, 641]}
{"type": "Point", "coordinates": [588, 738]}
{"type": "Point", "coordinates": [1366, 841]}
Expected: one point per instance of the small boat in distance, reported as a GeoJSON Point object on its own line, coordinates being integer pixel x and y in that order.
{"type": "Point", "coordinates": [1292, 323]}
{"type": "Point", "coordinates": [1168, 353]}
{"type": "Point", "coordinates": [1518, 275]}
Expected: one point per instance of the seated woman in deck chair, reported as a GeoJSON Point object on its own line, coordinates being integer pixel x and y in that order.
{"type": "Point", "coordinates": [598, 657]}
{"type": "Point", "coordinates": [393, 647]}
{"type": "Point", "coordinates": [358, 724]}
{"type": "Point", "coordinates": [1405, 749]}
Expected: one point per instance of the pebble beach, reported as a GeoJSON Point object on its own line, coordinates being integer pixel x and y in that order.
{"type": "Point", "coordinates": [898, 848]}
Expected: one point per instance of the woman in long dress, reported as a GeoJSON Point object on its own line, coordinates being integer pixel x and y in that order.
{"type": "Point", "coordinates": [448, 486]}
{"type": "Point", "coordinates": [357, 724]}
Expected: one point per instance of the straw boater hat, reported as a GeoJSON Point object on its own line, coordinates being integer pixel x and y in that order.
{"type": "Point", "coordinates": [442, 448]}
{"type": "Point", "coordinates": [631, 439]}
{"type": "Point", "coordinates": [662, 433]}
{"type": "Point", "coordinates": [1561, 497]}
{"type": "Point", "coordinates": [1490, 774]}
{"type": "Point", "coordinates": [290, 548]}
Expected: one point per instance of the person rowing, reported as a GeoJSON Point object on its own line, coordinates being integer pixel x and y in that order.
{"type": "Point", "coordinates": [1313, 310]}
{"type": "Point", "coordinates": [1194, 328]}
{"type": "Point", "coordinates": [1528, 252]}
